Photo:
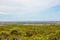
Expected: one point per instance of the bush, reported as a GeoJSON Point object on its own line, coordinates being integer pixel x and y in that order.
{"type": "Point", "coordinates": [30, 33]}
{"type": "Point", "coordinates": [58, 34]}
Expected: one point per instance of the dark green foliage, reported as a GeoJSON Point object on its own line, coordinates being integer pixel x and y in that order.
{"type": "Point", "coordinates": [14, 32]}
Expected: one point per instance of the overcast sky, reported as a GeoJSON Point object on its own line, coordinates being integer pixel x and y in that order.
{"type": "Point", "coordinates": [29, 10]}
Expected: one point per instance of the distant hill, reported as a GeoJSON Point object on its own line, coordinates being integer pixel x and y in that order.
{"type": "Point", "coordinates": [31, 22]}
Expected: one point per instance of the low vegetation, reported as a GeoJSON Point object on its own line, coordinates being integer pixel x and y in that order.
{"type": "Point", "coordinates": [30, 32]}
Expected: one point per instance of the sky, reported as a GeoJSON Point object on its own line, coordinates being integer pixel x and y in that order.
{"type": "Point", "coordinates": [29, 10]}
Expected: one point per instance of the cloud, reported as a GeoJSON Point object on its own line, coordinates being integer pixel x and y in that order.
{"type": "Point", "coordinates": [30, 3]}
{"type": "Point", "coordinates": [27, 5]}
{"type": "Point", "coordinates": [26, 9]}
{"type": "Point", "coordinates": [2, 13]}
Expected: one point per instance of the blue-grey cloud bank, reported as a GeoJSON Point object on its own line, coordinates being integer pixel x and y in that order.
{"type": "Point", "coordinates": [29, 10]}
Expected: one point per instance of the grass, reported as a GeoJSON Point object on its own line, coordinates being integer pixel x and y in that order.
{"type": "Point", "coordinates": [30, 32]}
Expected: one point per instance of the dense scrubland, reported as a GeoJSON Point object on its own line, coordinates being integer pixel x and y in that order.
{"type": "Point", "coordinates": [30, 32]}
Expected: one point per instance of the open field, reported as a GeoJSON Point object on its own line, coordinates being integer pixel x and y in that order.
{"type": "Point", "coordinates": [30, 32]}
